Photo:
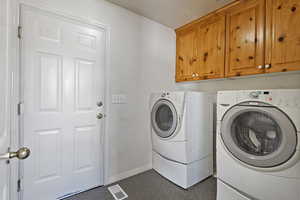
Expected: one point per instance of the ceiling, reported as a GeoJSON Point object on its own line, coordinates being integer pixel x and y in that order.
{"type": "Point", "coordinates": [172, 13]}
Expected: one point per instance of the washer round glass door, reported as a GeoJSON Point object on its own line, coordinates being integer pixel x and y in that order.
{"type": "Point", "coordinates": [164, 118]}
{"type": "Point", "coordinates": [259, 136]}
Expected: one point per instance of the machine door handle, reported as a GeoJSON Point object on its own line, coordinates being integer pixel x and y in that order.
{"type": "Point", "coordinates": [21, 154]}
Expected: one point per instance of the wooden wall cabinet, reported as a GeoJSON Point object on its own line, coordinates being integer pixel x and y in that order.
{"type": "Point", "coordinates": [245, 24]}
{"type": "Point", "coordinates": [185, 54]}
{"type": "Point", "coordinates": [246, 37]}
{"type": "Point", "coordinates": [282, 35]}
{"type": "Point", "coordinates": [211, 47]}
{"type": "Point", "coordinates": [201, 50]}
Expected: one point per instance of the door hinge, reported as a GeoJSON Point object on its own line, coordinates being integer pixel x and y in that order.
{"type": "Point", "coordinates": [20, 185]}
{"type": "Point", "coordinates": [19, 32]}
{"type": "Point", "coordinates": [20, 108]}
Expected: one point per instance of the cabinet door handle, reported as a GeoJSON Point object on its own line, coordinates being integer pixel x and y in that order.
{"type": "Point", "coordinates": [260, 67]}
{"type": "Point", "coordinates": [268, 66]}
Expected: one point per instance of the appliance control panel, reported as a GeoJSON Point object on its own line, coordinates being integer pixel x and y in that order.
{"type": "Point", "coordinates": [263, 95]}
{"type": "Point", "coordinates": [174, 97]}
{"type": "Point", "coordinates": [259, 94]}
{"type": "Point", "coordinates": [165, 94]}
{"type": "Point", "coordinates": [274, 98]}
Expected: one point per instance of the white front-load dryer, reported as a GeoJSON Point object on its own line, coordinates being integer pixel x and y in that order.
{"type": "Point", "coordinates": [258, 151]}
{"type": "Point", "coordinates": [182, 136]}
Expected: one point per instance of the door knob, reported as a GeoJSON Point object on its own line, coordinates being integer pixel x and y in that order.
{"type": "Point", "coordinates": [99, 104]}
{"type": "Point", "coordinates": [21, 154]}
{"type": "Point", "coordinates": [100, 116]}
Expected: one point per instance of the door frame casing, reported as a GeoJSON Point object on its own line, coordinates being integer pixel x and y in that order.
{"type": "Point", "coordinates": [14, 76]}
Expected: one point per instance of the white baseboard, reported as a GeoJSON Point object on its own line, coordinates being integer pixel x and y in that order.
{"type": "Point", "coordinates": [129, 173]}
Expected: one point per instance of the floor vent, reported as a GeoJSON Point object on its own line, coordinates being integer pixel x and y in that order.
{"type": "Point", "coordinates": [117, 192]}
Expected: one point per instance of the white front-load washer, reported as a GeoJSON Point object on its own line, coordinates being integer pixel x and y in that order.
{"type": "Point", "coordinates": [182, 136]}
{"type": "Point", "coordinates": [258, 151]}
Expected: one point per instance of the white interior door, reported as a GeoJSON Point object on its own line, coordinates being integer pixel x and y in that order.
{"type": "Point", "coordinates": [62, 64]}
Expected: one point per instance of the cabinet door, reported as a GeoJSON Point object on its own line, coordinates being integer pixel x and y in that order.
{"type": "Point", "coordinates": [211, 47]}
{"type": "Point", "coordinates": [245, 38]}
{"type": "Point", "coordinates": [186, 52]}
{"type": "Point", "coordinates": [283, 35]}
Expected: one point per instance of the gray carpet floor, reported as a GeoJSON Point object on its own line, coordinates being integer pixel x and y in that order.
{"type": "Point", "coordinates": [151, 186]}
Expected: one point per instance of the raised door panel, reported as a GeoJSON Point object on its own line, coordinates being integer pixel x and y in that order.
{"type": "Point", "coordinates": [283, 35]}
{"type": "Point", "coordinates": [84, 141]}
{"type": "Point", "coordinates": [48, 168]}
{"type": "Point", "coordinates": [211, 48]}
{"type": "Point", "coordinates": [185, 61]}
{"type": "Point", "coordinates": [245, 38]}
{"type": "Point", "coordinates": [49, 82]}
{"type": "Point", "coordinates": [84, 85]}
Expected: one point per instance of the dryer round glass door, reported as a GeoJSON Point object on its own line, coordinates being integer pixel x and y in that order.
{"type": "Point", "coordinates": [259, 136]}
{"type": "Point", "coordinates": [164, 118]}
